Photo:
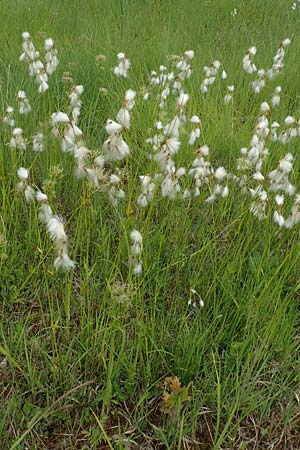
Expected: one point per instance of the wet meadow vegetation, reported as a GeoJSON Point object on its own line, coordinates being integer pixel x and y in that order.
{"type": "Point", "coordinates": [149, 224]}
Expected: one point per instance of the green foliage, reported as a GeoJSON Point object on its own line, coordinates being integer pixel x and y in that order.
{"type": "Point", "coordinates": [94, 345]}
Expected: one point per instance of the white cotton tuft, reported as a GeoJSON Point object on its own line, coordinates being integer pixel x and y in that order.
{"type": "Point", "coordinates": [48, 44]}
{"type": "Point", "coordinates": [63, 261]}
{"type": "Point", "coordinates": [29, 194]}
{"type": "Point", "coordinates": [195, 119]}
{"type": "Point", "coordinates": [59, 117]}
{"type": "Point", "coordinates": [56, 230]}
{"type": "Point", "coordinates": [23, 174]}
{"type": "Point", "coordinates": [136, 237]}
{"type": "Point", "coordinates": [264, 107]}
{"type": "Point", "coordinates": [112, 127]}
{"type": "Point", "coordinates": [189, 54]}
{"type": "Point", "coordinates": [220, 173]}
{"type": "Point", "coordinates": [41, 197]}
{"type": "Point", "coordinates": [286, 42]}
{"type": "Point", "coordinates": [123, 117]}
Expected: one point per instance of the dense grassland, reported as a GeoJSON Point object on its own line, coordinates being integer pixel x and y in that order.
{"type": "Point", "coordinates": [86, 355]}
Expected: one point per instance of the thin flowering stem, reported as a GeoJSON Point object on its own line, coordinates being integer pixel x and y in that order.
{"type": "Point", "coordinates": [122, 15]}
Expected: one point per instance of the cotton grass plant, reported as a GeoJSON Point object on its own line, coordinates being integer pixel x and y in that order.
{"type": "Point", "coordinates": [148, 230]}
{"type": "Point", "coordinates": [165, 144]}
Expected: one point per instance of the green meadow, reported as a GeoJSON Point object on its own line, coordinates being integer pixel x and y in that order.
{"type": "Point", "coordinates": [201, 349]}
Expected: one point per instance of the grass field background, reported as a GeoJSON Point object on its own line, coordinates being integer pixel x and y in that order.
{"type": "Point", "coordinates": [87, 352]}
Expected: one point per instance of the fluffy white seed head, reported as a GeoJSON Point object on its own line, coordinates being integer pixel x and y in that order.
{"type": "Point", "coordinates": [182, 100]}
{"type": "Point", "coordinates": [220, 173]}
{"type": "Point", "coordinates": [29, 194]}
{"type": "Point", "coordinates": [123, 117]}
{"type": "Point", "coordinates": [286, 42]}
{"type": "Point", "coordinates": [130, 95]}
{"type": "Point", "coordinates": [278, 218]}
{"type": "Point", "coordinates": [48, 44]}
{"type": "Point", "coordinates": [204, 150]}
{"type": "Point", "coordinates": [59, 117]}
{"type": "Point", "coordinates": [17, 132]}
{"type": "Point", "coordinates": [45, 213]}
{"type": "Point", "coordinates": [264, 107]}
{"type": "Point", "coordinates": [26, 35]}
{"type": "Point", "coordinates": [136, 237]}
{"type": "Point", "coordinates": [279, 199]}
{"type": "Point", "coordinates": [289, 120]}
{"type": "Point", "coordinates": [112, 127]}
{"type": "Point", "coordinates": [114, 179]}
{"type": "Point", "coordinates": [63, 261]}
{"type": "Point", "coordinates": [23, 174]}
{"type": "Point", "coordinates": [56, 229]}
{"type": "Point", "coordinates": [195, 119]}
{"type": "Point", "coordinates": [41, 197]}
{"type": "Point", "coordinates": [189, 54]}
